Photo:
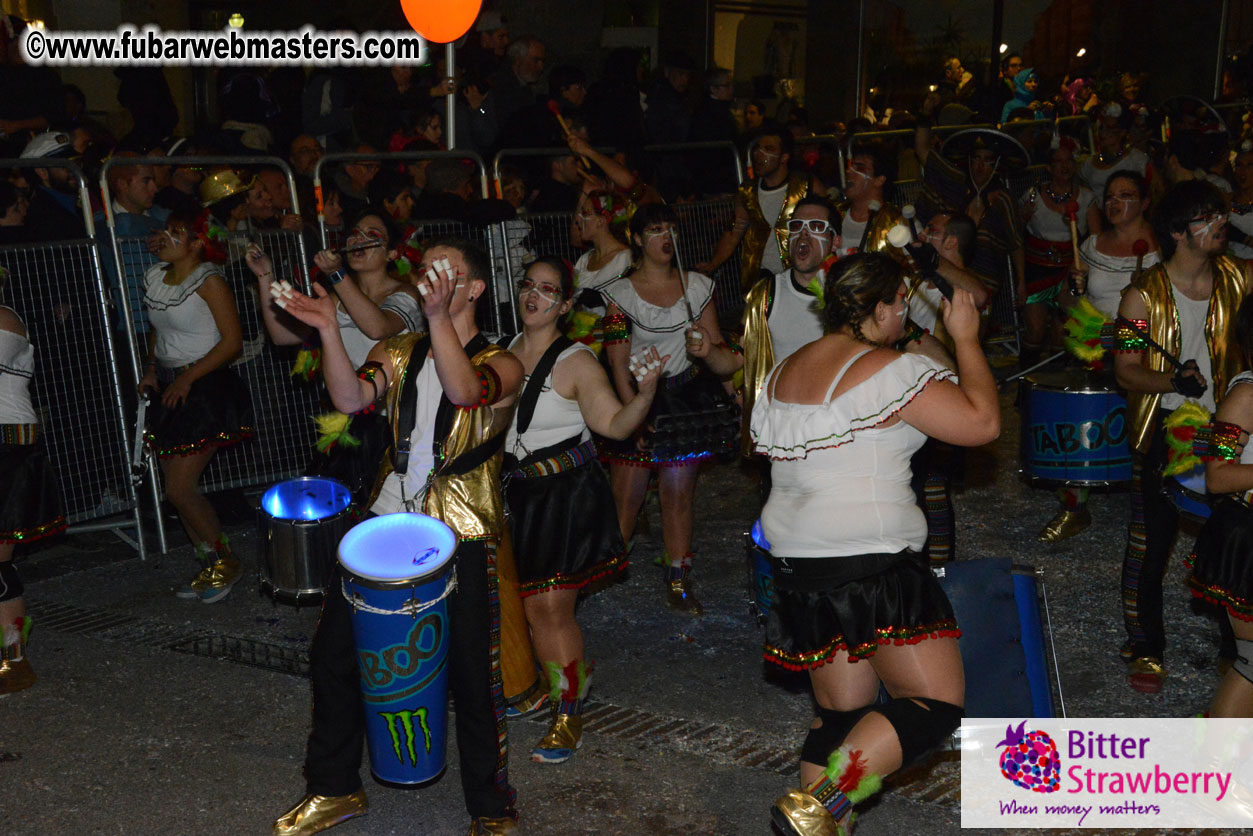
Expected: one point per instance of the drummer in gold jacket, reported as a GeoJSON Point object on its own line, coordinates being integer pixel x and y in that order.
{"type": "Point", "coordinates": [457, 393]}
{"type": "Point", "coordinates": [1187, 305]}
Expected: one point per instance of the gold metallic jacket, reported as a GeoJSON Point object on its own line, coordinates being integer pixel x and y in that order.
{"type": "Point", "coordinates": [758, 352]}
{"type": "Point", "coordinates": [754, 245]}
{"type": "Point", "coordinates": [887, 217]}
{"type": "Point", "coordinates": [1230, 287]}
{"type": "Point", "coordinates": [471, 503]}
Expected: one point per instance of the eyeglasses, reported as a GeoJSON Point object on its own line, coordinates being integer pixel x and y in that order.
{"type": "Point", "coordinates": [527, 285]}
{"type": "Point", "coordinates": [815, 226]}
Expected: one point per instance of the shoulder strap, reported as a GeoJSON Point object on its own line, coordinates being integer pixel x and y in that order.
{"type": "Point", "coordinates": [444, 418]}
{"type": "Point", "coordinates": [407, 405]}
{"type": "Point", "coordinates": [843, 371]}
{"type": "Point", "coordinates": [535, 385]}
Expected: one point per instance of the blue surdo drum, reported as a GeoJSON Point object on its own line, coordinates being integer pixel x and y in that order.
{"type": "Point", "coordinates": [1188, 493]}
{"type": "Point", "coordinates": [300, 523]}
{"type": "Point", "coordinates": [760, 577]}
{"type": "Point", "coordinates": [1074, 430]}
{"type": "Point", "coordinates": [398, 574]}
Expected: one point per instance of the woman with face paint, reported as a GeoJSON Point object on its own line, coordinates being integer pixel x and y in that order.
{"type": "Point", "coordinates": [600, 221]}
{"type": "Point", "coordinates": [657, 307]}
{"type": "Point", "coordinates": [199, 404]}
{"type": "Point", "coordinates": [840, 420]}
{"type": "Point", "coordinates": [1108, 264]}
{"type": "Point", "coordinates": [561, 507]}
{"type": "Point", "coordinates": [373, 303]}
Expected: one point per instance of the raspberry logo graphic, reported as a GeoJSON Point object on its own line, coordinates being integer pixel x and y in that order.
{"type": "Point", "coordinates": [1030, 759]}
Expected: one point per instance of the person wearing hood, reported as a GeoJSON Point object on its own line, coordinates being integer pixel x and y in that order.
{"type": "Point", "coordinates": [1025, 84]}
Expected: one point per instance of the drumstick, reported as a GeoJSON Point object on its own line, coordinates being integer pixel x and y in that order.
{"type": "Point", "coordinates": [683, 280]}
{"type": "Point", "coordinates": [1140, 249]}
{"type": "Point", "coordinates": [1071, 212]}
{"type": "Point", "coordinates": [1026, 372]}
{"type": "Point", "coordinates": [555, 110]}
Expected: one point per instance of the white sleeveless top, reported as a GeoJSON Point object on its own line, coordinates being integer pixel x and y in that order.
{"type": "Point", "coordinates": [841, 483]}
{"type": "Point", "coordinates": [183, 321]}
{"type": "Point", "coordinates": [1192, 346]}
{"type": "Point", "coordinates": [556, 418]}
{"type": "Point", "coordinates": [794, 318]}
{"type": "Point", "coordinates": [357, 344]}
{"type": "Point", "coordinates": [663, 328]}
{"type": "Point", "coordinates": [428, 392]}
{"type": "Point", "coordinates": [585, 279]}
{"type": "Point", "coordinates": [1109, 275]}
{"type": "Point", "coordinates": [17, 369]}
{"type": "Point", "coordinates": [1050, 225]}
{"type": "Point", "coordinates": [1244, 223]}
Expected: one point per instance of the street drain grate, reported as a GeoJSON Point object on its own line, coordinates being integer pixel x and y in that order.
{"type": "Point", "coordinates": [720, 743]}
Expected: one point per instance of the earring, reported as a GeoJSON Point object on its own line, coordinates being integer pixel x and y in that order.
{"type": "Point", "coordinates": [471, 298]}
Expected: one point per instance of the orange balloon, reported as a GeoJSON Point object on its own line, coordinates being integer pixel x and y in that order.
{"type": "Point", "coordinates": [441, 21]}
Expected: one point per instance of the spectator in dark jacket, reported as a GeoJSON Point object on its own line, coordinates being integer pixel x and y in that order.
{"type": "Point", "coordinates": [668, 118]}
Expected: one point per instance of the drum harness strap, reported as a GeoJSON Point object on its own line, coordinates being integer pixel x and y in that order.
{"type": "Point", "coordinates": [530, 398]}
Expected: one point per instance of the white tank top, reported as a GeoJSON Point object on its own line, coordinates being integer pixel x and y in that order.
{"type": "Point", "coordinates": [794, 319]}
{"type": "Point", "coordinates": [556, 418]}
{"type": "Point", "coordinates": [771, 202]}
{"type": "Point", "coordinates": [1192, 346]}
{"type": "Point", "coordinates": [841, 483]}
{"type": "Point", "coordinates": [1049, 225]}
{"type": "Point", "coordinates": [183, 321]}
{"type": "Point", "coordinates": [429, 392]}
{"type": "Point", "coordinates": [17, 369]}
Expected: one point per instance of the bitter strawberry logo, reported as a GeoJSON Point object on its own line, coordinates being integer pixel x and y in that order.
{"type": "Point", "coordinates": [1030, 759]}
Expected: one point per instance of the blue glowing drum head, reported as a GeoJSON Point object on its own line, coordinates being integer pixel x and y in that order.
{"type": "Point", "coordinates": [397, 548]}
{"type": "Point", "coordinates": [306, 498]}
{"type": "Point", "coordinates": [759, 536]}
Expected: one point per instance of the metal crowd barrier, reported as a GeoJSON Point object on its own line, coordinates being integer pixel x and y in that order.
{"type": "Point", "coordinates": [281, 405]}
{"type": "Point", "coordinates": [59, 290]}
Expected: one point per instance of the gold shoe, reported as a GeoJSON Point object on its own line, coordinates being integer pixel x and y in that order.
{"type": "Point", "coordinates": [800, 814]}
{"type": "Point", "coordinates": [1066, 524]}
{"type": "Point", "coordinates": [15, 675]}
{"type": "Point", "coordinates": [315, 813]}
{"type": "Point", "coordinates": [222, 575]}
{"type": "Point", "coordinates": [1146, 674]}
{"type": "Point", "coordinates": [680, 598]}
{"type": "Point", "coordinates": [492, 827]}
{"type": "Point", "coordinates": [564, 738]}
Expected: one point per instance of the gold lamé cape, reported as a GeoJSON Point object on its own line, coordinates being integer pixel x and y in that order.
{"type": "Point", "coordinates": [1230, 287]}
{"type": "Point", "coordinates": [469, 503]}
{"type": "Point", "coordinates": [754, 244]}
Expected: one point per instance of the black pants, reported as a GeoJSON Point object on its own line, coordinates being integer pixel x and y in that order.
{"type": "Point", "coordinates": [333, 759]}
{"type": "Point", "coordinates": [1154, 525]}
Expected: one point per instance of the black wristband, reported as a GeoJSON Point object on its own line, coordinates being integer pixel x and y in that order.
{"type": "Point", "coordinates": [1186, 384]}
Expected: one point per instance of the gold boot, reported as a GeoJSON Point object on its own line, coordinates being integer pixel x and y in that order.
{"type": "Point", "coordinates": [679, 595]}
{"type": "Point", "coordinates": [800, 814]}
{"type": "Point", "coordinates": [1066, 524]}
{"type": "Point", "coordinates": [564, 738]}
{"type": "Point", "coordinates": [222, 575]}
{"type": "Point", "coordinates": [16, 673]}
{"type": "Point", "coordinates": [315, 813]}
{"type": "Point", "coordinates": [492, 827]}
{"type": "Point", "coordinates": [1146, 674]}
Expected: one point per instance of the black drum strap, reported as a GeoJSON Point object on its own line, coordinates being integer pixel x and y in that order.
{"type": "Point", "coordinates": [535, 385]}
{"type": "Point", "coordinates": [444, 417]}
{"type": "Point", "coordinates": [407, 405]}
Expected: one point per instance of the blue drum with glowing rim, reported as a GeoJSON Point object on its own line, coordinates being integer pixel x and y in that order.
{"type": "Point", "coordinates": [398, 574]}
{"type": "Point", "coordinates": [1188, 493]}
{"type": "Point", "coordinates": [1074, 430]}
{"type": "Point", "coordinates": [760, 577]}
{"type": "Point", "coordinates": [300, 523]}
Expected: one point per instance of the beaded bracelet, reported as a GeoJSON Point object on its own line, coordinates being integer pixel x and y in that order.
{"type": "Point", "coordinates": [913, 332]}
{"type": "Point", "coordinates": [615, 326]}
{"type": "Point", "coordinates": [1127, 341]}
{"type": "Point", "coordinates": [489, 387]}
{"type": "Point", "coordinates": [369, 371]}
{"type": "Point", "coordinates": [1223, 439]}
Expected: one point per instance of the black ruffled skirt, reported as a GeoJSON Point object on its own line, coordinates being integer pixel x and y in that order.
{"type": "Point", "coordinates": [1222, 560]}
{"type": "Point", "coordinates": [30, 498]}
{"type": "Point", "coordinates": [216, 413]}
{"type": "Point", "coordinates": [855, 603]}
{"type": "Point", "coordinates": [692, 418]}
{"type": "Point", "coordinates": [565, 530]}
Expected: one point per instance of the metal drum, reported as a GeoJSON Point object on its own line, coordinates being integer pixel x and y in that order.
{"type": "Point", "coordinates": [301, 522]}
{"type": "Point", "coordinates": [760, 576]}
{"type": "Point", "coordinates": [1074, 430]}
{"type": "Point", "coordinates": [1188, 493]}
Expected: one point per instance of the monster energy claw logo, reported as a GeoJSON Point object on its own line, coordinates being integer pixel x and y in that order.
{"type": "Point", "coordinates": [400, 724]}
